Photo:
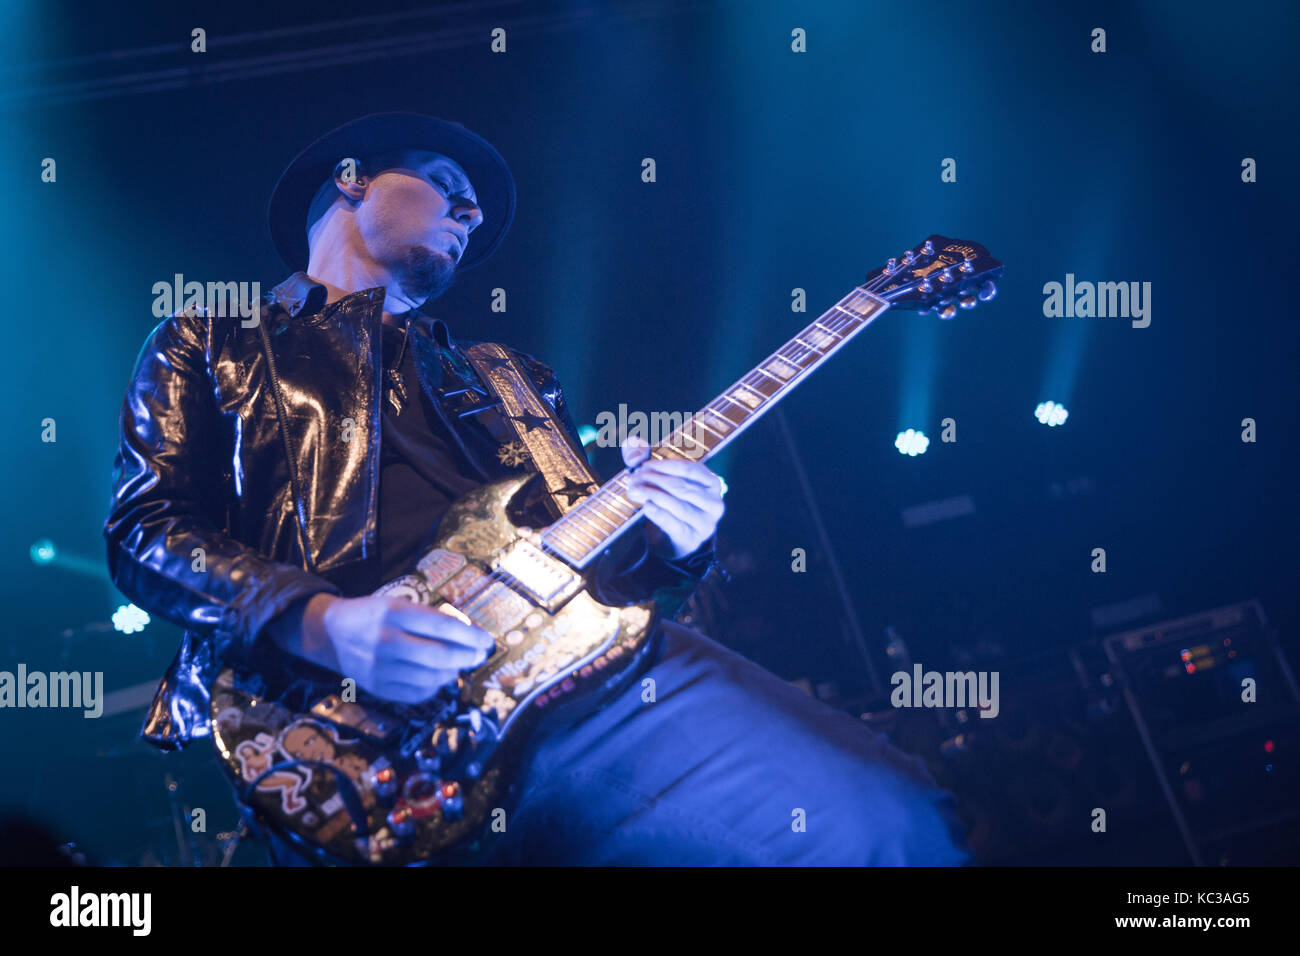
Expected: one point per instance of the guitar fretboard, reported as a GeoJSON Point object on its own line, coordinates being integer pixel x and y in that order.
{"type": "Point", "coordinates": [592, 526]}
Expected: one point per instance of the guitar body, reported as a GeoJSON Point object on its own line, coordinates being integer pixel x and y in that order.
{"type": "Point", "coordinates": [350, 778]}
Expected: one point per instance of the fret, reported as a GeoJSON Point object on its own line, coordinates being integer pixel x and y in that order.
{"type": "Point", "coordinates": [723, 412]}
{"type": "Point", "coordinates": [701, 438]}
{"type": "Point", "coordinates": [559, 538]}
{"type": "Point", "coordinates": [809, 359]}
{"type": "Point", "coordinates": [781, 368]}
{"type": "Point", "coordinates": [819, 338]}
{"type": "Point", "coordinates": [621, 508]}
{"type": "Point", "coordinates": [746, 396]}
{"type": "Point", "coordinates": [616, 486]}
{"type": "Point", "coordinates": [766, 385]}
{"type": "Point", "coordinates": [575, 529]}
{"type": "Point", "coordinates": [596, 513]}
{"type": "Point", "coordinates": [584, 524]}
{"type": "Point", "coordinates": [866, 302]}
{"type": "Point", "coordinates": [673, 454]}
{"type": "Point", "coordinates": [681, 447]}
{"type": "Point", "coordinates": [714, 422]}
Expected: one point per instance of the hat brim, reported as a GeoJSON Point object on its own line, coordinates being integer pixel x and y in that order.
{"type": "Point", "coordinates": [488, 173]}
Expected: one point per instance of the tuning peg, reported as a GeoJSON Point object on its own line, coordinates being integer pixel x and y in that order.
{"type": "Point", "coordinates": [966, 266]}
{"type": "Point", "coordinates": [967, 302]}
{"type": "Point", "coordinates": [948, 311]}
{"type": "Point", "coordinates": [928, 248]}
{"type": "Point", "coordinates": [988, 291]}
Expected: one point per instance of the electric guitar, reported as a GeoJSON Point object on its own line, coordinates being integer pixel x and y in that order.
{"type": "Point", "coordinates": [351, 778]}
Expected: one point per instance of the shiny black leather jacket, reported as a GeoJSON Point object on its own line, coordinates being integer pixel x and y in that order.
{"type": "Point", "coordinates": [236, 494]}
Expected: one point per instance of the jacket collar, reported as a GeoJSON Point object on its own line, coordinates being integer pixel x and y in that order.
{"type": "Point", "coordinates": [300, 294]}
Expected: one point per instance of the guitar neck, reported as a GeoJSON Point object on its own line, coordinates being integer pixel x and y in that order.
{"type": "Point", "coordinates": [593, 526]}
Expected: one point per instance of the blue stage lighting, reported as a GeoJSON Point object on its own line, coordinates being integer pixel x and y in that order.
{"type": "Point", "coordinates": [1050, 413]}
{"type": "Point", "coordinates": [43, 551]}
{"type": "Point", "coordinates": [912, 442]}
{"type": "Point", "coordinates": [587, 434]}
{"type": "Point", "coordinates": [128, 619]}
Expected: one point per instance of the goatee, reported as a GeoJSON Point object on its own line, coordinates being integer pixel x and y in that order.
{"type": "Point", "coordinates": [425, 274]}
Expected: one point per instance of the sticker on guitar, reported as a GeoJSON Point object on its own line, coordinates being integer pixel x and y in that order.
{"type": "Point", "coordinates": [304, 739]}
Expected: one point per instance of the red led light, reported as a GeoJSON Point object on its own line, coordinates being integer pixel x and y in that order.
{"type": "Point", "coordinates": [1268, 746]}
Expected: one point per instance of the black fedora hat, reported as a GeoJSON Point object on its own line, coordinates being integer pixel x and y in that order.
{"type": "Point", "coordinates": [381, 133]}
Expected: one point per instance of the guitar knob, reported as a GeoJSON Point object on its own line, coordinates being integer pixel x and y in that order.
{"type": "Point", "coordinates": [988, 291]}
{"type": "Point", "coordinates": [453, 804]}
{"type": "Point", "coordinates": [948, 311]}
{"type": "Point", "coordinates": [453, 808]}
{"type": "Point", "coordinates": [967, 302]}
{"type": "Point", "coordinates": [402, 823]}
{"type": "Point", "coordinates": [384, 783]}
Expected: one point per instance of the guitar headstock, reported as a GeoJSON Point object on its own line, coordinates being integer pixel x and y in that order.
{"type": "Point", "coordinates": [940, 274]}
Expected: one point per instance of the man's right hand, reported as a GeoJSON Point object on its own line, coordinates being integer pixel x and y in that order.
{"type": "Point", "coordinates": [392, 647]}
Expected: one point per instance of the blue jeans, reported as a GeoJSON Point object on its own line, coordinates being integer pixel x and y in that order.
{"type": "Point", "coordinates": [728, 765]}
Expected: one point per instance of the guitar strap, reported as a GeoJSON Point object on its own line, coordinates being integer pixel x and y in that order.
{"type": "Point", "coordinates": [564, 468]}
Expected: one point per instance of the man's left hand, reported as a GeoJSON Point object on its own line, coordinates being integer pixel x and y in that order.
{"type": "Point", "coordinates": [682, 499]}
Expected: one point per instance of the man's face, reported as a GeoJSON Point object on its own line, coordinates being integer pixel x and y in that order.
{"type": "Point", "coordinates": [416, 217]}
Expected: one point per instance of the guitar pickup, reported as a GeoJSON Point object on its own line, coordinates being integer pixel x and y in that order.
{"type": "Point", "coordinates": [548, 582]}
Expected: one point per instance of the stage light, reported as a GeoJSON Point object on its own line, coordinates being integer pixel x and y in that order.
{"type": "Point", "coordinates": [128, 619]}
{"type": "Point", "coordinates": [587, 434]}
{"type": "Point", "coordinates": [1050, 413]}
{"type": "Point", "coordinates": [912, 442]}
{"type": "Point", "coordinates": [43, 551]}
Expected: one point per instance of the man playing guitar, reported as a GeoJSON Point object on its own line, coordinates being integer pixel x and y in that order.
{"type": "Point", "coordinates": [269, 479]}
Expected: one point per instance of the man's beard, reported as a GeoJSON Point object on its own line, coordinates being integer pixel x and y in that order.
{"type": "Point", "coordinates": [424, 274]}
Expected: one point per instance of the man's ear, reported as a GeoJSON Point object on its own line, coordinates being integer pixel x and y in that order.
{"type": "Point", "coordinates": [350, 178]}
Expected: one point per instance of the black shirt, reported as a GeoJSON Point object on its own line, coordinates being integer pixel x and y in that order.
{"type": "Point", "coordinates": [421, 468]}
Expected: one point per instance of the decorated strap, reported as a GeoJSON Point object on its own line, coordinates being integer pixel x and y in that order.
{"type": "Point", "coordinates": [568, 477]}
